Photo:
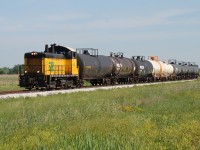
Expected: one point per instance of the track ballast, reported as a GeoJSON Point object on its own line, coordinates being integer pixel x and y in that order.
{"type": "Point", "coordinates": [35, 93]}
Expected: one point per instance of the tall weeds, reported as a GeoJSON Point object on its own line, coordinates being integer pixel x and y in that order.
{"type": "Point", "coordinates": [151, 117]}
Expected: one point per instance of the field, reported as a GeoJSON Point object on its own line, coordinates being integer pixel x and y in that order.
{"type": "Point", "coordinates": [163, 116]}
{"type": "Point", "coordinates": [8, 82]}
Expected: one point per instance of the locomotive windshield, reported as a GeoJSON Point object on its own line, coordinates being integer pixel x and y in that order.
{"type": "Point", "coordinates": [33, 65]}
{"type": "Point", "coordinates": [67, 52]}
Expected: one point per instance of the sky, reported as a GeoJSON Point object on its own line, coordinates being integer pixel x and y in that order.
{"type": "Point", "coordinates": [169, 29]}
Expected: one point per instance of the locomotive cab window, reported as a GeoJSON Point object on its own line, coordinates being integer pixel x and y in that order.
{"type": "Point", "coordinates": [74, 55]}
{"type": "Point", "coordinates": [70, 55]}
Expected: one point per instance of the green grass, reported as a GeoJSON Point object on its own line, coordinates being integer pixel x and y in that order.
{"type": "Point", "coordinates": [9, 82]}
{"type": "Point", "coordinates": [163, 116]}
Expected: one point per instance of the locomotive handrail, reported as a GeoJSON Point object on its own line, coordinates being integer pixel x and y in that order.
{"type": "Point", "coordinates": [60, 70]}
{"type": "Point", "coordinates": [55, 69]}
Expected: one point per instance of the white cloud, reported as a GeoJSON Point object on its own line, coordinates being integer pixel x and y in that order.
{"type": "Point", "coordinates": [87, 22]}
{"type": "Point", "coordinates": [175, 12]}
{"type": "Point", "coordinates": [67, 17]}
{"type": "Point", "coordinates": [160, 18]}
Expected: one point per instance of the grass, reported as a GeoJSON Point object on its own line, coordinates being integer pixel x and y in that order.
{"type": "Point", "coordinates": [9, 82]}
{"type": "Point", "coordinates": [163, 116]}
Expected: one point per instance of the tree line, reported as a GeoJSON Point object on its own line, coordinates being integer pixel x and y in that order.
{"type": "Point", "coordinates": [7, 70]}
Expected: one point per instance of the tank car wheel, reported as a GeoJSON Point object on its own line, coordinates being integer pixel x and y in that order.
{"type": "Point", "coordinates": [107, 82]}
{"type": "Point", "coordinates": [48, 88]}
{"type": "Point", "coordinates": [136, 81]}
{"type": "Point", "coordinates": [65, 86]}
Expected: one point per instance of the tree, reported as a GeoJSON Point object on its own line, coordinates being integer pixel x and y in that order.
{"type": "Point", "coordinates": [1, 71]}
{"type": "Point", "coordinates": [13, 70]}
{"type": "Point", "coordinates": [6, 70]}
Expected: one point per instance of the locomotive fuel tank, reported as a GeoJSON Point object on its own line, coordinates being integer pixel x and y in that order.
{"type": "Point", "coordinates": [143, 67]}
{"type": "Point", "coordinates": [123, 67]}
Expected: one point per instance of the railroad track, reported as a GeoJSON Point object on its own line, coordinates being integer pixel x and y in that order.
{"type": "Point", "coordinates": [12, 92]}
{"type": "Point", "coordinates": [35, 93]}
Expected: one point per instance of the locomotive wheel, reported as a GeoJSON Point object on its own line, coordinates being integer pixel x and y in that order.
{"type": "Point", "coordinates": [136, 81]}
{"type": "Point", "coordinates": [48, 88]}
{"type": "Point", "coordinates": [30, 88]}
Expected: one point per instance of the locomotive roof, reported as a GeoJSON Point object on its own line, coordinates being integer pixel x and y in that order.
{"type": "Point", "coordinates": [58, 49]}
{"type": "Point", "coordinates": [71, 49]}
{"type": "Point", "coordinates": [58, 52]}
{"type": "Point", "coordinates": [43, 55]}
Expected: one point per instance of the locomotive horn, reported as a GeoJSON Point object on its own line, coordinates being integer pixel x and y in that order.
{"type": "Point", "coordinates": [46, 48]}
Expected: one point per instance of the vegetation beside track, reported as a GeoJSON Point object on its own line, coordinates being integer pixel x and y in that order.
{"type": "Point", "coordinates": [165, 116]}
{"type": "Point", "coordinates": [9, 82]}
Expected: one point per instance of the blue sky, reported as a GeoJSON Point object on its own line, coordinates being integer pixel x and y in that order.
{"type": "Point", "coordinates": [168, 29]}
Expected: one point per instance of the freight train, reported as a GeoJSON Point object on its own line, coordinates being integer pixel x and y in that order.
{"type": "Point", "coordinates": [65, 67]}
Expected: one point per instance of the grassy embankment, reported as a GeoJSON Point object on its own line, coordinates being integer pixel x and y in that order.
{"type": "Point", "coordinates": [9, 82]}
{"type": "Point", "coordinates": [151, 117]}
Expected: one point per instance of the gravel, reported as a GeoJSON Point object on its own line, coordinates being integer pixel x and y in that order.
{"type": "Point", "coordinates": [45, 93]}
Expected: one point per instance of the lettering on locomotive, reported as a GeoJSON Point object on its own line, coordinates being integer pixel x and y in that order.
{"type": "Point", "coordinates": [51, 66]}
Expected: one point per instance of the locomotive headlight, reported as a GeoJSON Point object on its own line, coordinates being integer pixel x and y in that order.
{"type": "Point", "coordinates": [38, 71]}
{"type": "Point", "coordinates": [25, 71]}
{"type": "Point", "coordinates": [33, 53]}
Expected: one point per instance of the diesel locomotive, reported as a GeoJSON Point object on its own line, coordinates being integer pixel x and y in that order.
{"type": "Point", "coordinates": [65, 67]}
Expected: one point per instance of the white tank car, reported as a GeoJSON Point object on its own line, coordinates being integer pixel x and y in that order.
{"type": "Point", "coordinates": [157, 71]}
{"type": "Point", "coordinates": [161, 70]}
{"type": "Point", "coordinates": [167, 70]}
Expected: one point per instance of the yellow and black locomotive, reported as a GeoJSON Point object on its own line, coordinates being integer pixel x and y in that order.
{"type": "Point", "coordinates": [55, 67]}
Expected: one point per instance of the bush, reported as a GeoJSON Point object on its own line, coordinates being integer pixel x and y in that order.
{"type": "Point", "coordinates": [6, 70]}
